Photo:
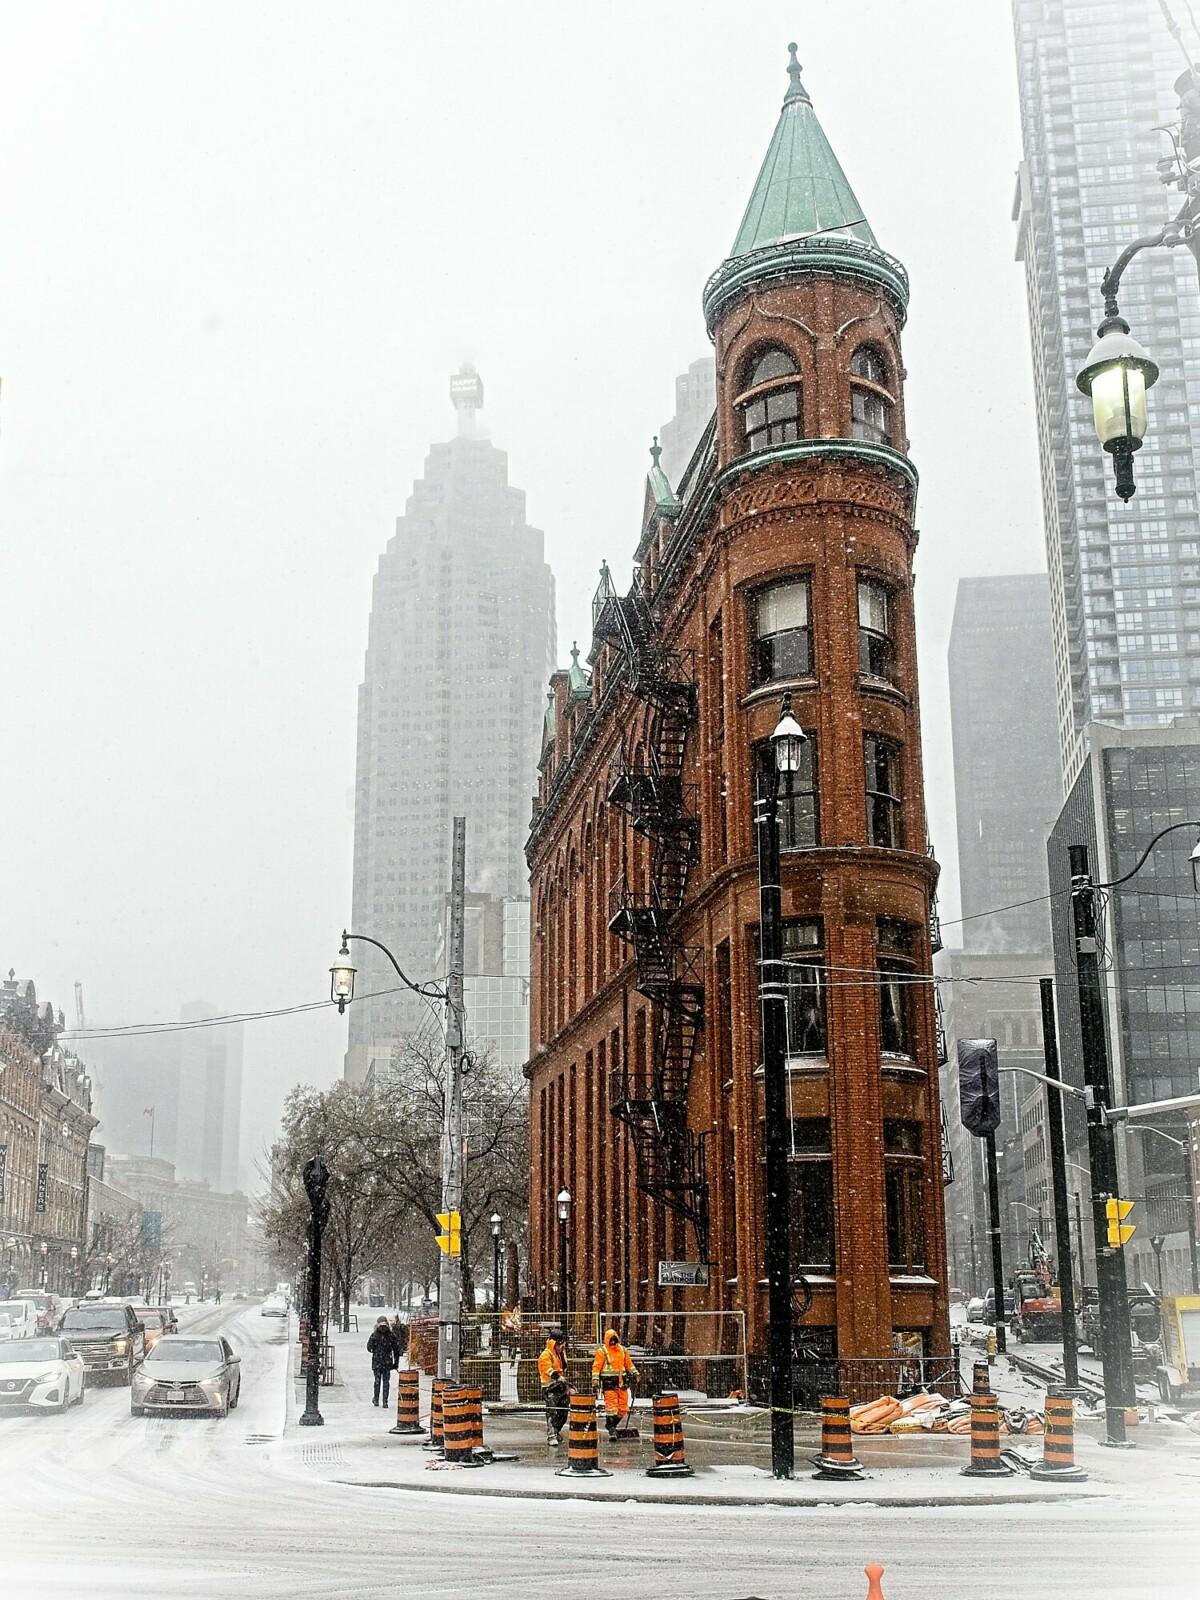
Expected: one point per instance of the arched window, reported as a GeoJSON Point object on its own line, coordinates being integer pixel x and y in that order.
{"type": "Point", "coordinates": [769, 405]}
{"type": "Point", "coordinates": [870, 399]}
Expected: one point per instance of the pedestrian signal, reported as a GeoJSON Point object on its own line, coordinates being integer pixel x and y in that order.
{"type": "Point", "coordinates": [1119, 1231]}
{"type": "Point", "coordinates": [449, 1240]}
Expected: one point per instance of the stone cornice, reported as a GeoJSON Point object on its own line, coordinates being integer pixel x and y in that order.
{"type": "Point", "coordinates": [827, 255]}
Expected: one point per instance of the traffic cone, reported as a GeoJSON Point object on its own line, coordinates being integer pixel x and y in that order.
{"type": "Point", "coordinates": [985, 1440]}
{"type": "Point", "coordinates": [837, 1459]}
{"type": "Point", "coordinates": [583, 1449]}
{"type": "Point", "coordinates": [1058, 1443]}
{"type": "Point", "coordinates": [981, 1378]}
{"type": "Point", "coordinates": [408, 1404]}
{"type": "Point", "coordinates": [458, 1427]}
{"type": "Point", "coordinates": [669, 1460]}
{"type": "Point", "coordinates": [435, 1440]}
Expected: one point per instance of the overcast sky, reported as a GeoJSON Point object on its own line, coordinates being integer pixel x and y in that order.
{"type": "Point", "coordinates": [244, 248]}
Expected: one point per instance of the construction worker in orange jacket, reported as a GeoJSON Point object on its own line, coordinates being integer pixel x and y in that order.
{"type": "Point", "coordinates": [556, 1394]}
{"type": "Point", "coordinates": [613, 1373]}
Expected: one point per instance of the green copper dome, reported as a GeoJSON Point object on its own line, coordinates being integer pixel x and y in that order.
{"type": "Point", "coordinates": [801, 188]}
{"type": "Point", "coordinates": [803, 217]}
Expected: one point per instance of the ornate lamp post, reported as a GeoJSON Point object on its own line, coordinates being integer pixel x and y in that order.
{"type": "Point", "coordinates": [786, 742]}
{"type": "Point", "coordinates": [74, 1254]}
{"type": "Point", "coordinates": [110, 1262]}
{"type": "Point", "coordinates": [316, 1181]}
{"type": "Point", "coordinates": [44, 1248]}
{"type": "Point", "coordinates": [564, 1214]}
{"type": "Point", "coordinates": [494, 1220]}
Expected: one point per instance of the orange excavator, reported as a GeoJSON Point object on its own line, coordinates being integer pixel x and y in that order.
{"type": "Point", "coordinates": [1037, 1303]}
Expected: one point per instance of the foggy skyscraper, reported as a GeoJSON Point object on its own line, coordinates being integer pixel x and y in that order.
{"type": "Point", "coordinates": [460, 648]}
{"type": "Point", "coordinates": [1095, 79]}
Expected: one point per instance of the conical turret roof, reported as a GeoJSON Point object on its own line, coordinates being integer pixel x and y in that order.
{"type": "Point", "coordinates": [803, 216]}
{"type": "Point", "coordinates": [801, 188]}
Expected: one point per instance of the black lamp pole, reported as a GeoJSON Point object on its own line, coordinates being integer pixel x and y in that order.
{"type": "Point", "coordinates": [495, 1221]}
{"type": "Point", "coordinates": [316, 1181]}
{"type": "Point", "coordinates": [564, 1299]}
{"type": "Point", "coordinates": [772, 993]}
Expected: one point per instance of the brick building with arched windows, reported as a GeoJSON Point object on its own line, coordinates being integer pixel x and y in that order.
{"type": "Point", "coordinates": [780, 561]}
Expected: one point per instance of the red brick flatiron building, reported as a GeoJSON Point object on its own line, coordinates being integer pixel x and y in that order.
{"type": "Point", "coordinates": [781, 562]}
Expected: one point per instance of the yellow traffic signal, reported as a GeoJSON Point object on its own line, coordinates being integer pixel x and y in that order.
{"type": "Point", "coordinates": [449, 1240]}
{"type": "Point", "coordinates": [1119, 1231]}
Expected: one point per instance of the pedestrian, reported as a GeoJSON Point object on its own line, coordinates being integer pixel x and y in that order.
{"type": "Point", "coordinates": [400, 1335]}
{"type": "Point", "coordinates": [613, 1373]}
{"type": "Point", "coordinates": [556, 1393]}
{"type": "Point", "coordinates": [384, 1358]}
{"type": "Point", "coordinates": [217, 1297]}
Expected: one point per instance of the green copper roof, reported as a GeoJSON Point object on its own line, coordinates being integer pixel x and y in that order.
{"type": "Point", "coordinates": [579, 685]}
{"type": "Point", "coordinates": [801, 188]}
{"type": "Point", "coordinates": [665, 498]}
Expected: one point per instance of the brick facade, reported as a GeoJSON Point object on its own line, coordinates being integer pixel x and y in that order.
{"type": "Point", "coordinates": [834, 511]}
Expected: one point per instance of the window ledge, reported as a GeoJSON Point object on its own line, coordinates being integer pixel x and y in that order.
{"type": "Point", "coordinates": [903, 1067]}
{"type": "Point", "coordinates": [776, 688]}
{"type": "Point", "coordinates": [814, 1063]}
{"type": "Point", "coordinates": [912, 1280]}
{"type": "Point", "coordinates": [882, 689]}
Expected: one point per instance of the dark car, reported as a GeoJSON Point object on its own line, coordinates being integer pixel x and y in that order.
{"type": "Point", "coordinates": [109, 1337]}
{"type": "Point", "coordinates": [989, 1305]}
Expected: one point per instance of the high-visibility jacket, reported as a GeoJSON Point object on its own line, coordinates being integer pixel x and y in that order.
{"type": "Point", "coordinates": [549, 1362]}
{"type": "Point", "coordinates": [613, 1361]}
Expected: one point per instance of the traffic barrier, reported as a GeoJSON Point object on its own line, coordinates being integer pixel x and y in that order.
{"type": "Point", "coordinates": [985, 1440]}
{"type": "Point", "coordinates": [458, 1427]}
{"type": "Point", "coordinates": [669, 1458]}
{"type": "Point", "coordinates": [837, 1459]}
{"type": "Point", "coordinates": [435, 1440]}
{"type": "Point", "coordinates": [1058, 1443]}
{"type": "Point", "coordinates": [873, 1574]}
{"type": "Point", "coordinates": [583, 1449]}
{"type": "Point", "coordinates": [408, 1404]}
{"type": "Point", "coordinates": [474, 1399]}
{"type": "Point", "coordinates": [981, 1378]}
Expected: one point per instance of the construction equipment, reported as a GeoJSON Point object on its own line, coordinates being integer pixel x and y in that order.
{"type": "Point", "coordinates": [1037, 1303]}
{"type": "Point", "coordinates": [1179, 1373]}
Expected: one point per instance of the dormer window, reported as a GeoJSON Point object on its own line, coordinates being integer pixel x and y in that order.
{"type": "Point", "coordinates": [769, 406]}
{"type": "Point", "coordinates": [870, 399]}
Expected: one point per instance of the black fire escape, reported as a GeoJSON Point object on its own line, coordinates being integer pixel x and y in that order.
{"type": "Point", "coordinates": [652, 1100]}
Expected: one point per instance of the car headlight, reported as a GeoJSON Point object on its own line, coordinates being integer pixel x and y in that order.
{"type": "Point", "coordinates": [120, 1347]}
{"type": "Point", "coordinates": [46, 1377]}
{"type": "Point", "coordinates": [210, 1383]}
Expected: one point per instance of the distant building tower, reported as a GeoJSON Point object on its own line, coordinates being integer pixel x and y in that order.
{"type": "Point", "coordinates": [783, 565]}
{"type": "Point", "coordinates": [449, 715]}
{"type": "Point", "coordinates": [1095, 81]}
{"type": "Point", "coordinates": [1002, 717]}
{"type": "Point", "coordinates": [695, 404]}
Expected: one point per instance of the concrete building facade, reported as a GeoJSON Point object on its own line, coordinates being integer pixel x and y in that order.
{"type": "Point", "coordinates": [450, 709]}
{"type": "Point", "coordinates": [782, 562]}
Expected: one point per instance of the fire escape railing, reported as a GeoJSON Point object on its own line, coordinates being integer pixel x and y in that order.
{"type": "Point", "coordinates": [651, 1099]}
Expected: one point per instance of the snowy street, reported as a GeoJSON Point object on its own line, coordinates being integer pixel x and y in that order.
{"type": "Point", "coordinates": [96, 1502]}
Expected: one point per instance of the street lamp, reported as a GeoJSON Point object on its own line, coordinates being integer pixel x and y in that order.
{"type": "Point", "coordinates": [494, 1219]}
{"type": "Point", "coordinates": [74, 1254]}
{"type": "Point", "coordinates": [316, 1181]}
{"type": "Point", "coordinates": [109, 1262]}
{"type": "Point", "coordinates": [786, 743]}
{"type": "Point", "coordinates": [341, 977]}
{"type": "Point", "coordinates": [44, 1248]}
{"type": "Point", "coordinates": [564, 1212]}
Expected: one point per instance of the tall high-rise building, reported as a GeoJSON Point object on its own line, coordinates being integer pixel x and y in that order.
{"type": "Point", "coordinates": [1095, 79]}
{"type": "Point", "coordinates": [1001, 661]}
{"type": "Point", "coordinates": [450, 715]}
{"type": "Point", "coordinates": [695, 406]}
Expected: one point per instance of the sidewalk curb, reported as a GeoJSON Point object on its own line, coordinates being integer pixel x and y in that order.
{"type": "Point", "coordinates": [813, 1503]}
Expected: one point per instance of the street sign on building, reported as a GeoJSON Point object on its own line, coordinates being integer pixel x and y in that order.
{"type": "Point", "coordinates": [43, 1187]}
{"type": "Point", "coordinates": [683, 1274]}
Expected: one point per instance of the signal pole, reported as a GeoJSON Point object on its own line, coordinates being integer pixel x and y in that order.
{"type": "Point", "coordinates": [450, 1268]}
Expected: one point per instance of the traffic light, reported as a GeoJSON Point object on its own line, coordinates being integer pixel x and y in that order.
{"type": "Point", "coordinates": [449, 1240]}
{"type": "Point", "coordinates": [1119, 1231]}
{"type": "Point", "coordinates": [979, 1086]}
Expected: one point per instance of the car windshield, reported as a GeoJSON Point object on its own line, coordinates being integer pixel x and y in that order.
{"type": "Point", "coordinates": [204, 1351]}
{"type": "Point", "coordinates": [34, 1350]}
{"type": "Point", "coordinates": [95, 1319]}
{"type": "Point", "coordinates": [151, 1319]}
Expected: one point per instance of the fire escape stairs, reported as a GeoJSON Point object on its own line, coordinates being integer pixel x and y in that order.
{"type": "Point", "coordinates": [670, 1157]}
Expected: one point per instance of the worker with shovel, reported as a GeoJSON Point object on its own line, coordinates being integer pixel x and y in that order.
{"type": "Point", "coordinates": [613, 1374]}
{"type": "Point", "coordinates": [556, 1394]}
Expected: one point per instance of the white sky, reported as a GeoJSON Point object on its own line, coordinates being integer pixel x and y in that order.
{"type": "Point", "coordinates": [244, 248]}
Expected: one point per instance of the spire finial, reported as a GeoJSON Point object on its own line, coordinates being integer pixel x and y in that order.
{"type": "Point", "coordinates": [655, 450]}
{"type": "Point", "coordinates": [796, 90]}
{"type": "Point", "coordinates": [574, 652]}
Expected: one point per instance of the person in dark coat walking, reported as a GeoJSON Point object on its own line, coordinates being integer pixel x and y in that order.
{"type": "Point", "coordinates": [384, 1358]}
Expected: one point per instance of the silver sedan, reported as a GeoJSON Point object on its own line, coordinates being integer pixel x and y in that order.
{"type": "Point", "coordinates": [187, 1375]}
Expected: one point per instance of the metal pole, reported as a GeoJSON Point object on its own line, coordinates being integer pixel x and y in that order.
{"type": "Point", "coordinates": [564, 1302]}
{"type": "Point", "coordinates": [1115, 1350]}
{"type": "Point", "coordinates": [496, 1278]}
{"type": "Point", "coordinates": [1079, 1230]}
{"type": "Point", "coordinates": [450, 1269]}
{"type": "Point", "coordinates": [1058, 1180]}
{"type": "Point", "coordinates": [772, 992]}
{"type": "Point", "coordinates": [993, 1187]}
{"type": "Point", "coordinates": [316, 1180]}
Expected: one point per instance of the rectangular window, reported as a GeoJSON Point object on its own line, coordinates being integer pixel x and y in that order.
{"type": "Point", "coordinates": [772, 419]}
{"type": "Point", "coordinates": [782, 641]}
{"type": "Point", "coordinates": [882, 759]}
{"type": "Point", "coordinates": [799, 821]}
{"type": "Point", "coordinates": [810, 1194]}
{"type": "Point", "coordinates": [804, 962]}
{"type": "Point", "coordinates": [896, 969]}
{"type": "Point", "coordinates": [876, 652]}
{"type": "Point", "coordinates": [904, 1186]}
{"type": "Point", "coordinates": [868, 416]}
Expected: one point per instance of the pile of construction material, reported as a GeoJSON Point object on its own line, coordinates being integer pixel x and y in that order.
{"type": "Point", "coordinates": [931, 1413]}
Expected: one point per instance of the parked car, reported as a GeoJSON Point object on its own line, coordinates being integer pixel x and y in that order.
{"type": "Point", "coordinates": [975, 1308]}
{"type": "Point", "coordinates": [47, 1374]}
{"type": "Point", "coordinates": [49, 1307]}
{"type": "Point", "coordinates": [273, 1306]}
{"type": "Point", "coordinates": [989, 1305]}
{"type": "Point", "coordinates": [182, 1374]}
{"type": "Point", "coordinates": [110, 1338]}
{"type": "Point", "coordinates": [21, 1319]}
